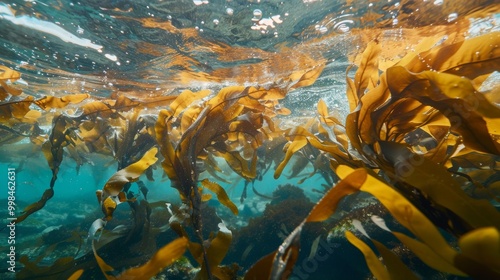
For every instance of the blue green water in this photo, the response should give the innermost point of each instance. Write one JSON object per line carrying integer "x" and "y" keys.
{"x": 154, "y": 49}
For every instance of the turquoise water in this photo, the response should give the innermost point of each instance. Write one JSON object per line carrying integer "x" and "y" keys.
{"x": 147, "y": 51}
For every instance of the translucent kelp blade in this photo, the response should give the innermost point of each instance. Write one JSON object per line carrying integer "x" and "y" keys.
{"x": 395, "y": 267}
{"x": 50, "y": 102}
{"x": 76, "y": 275}
{"x": 221, "y": 195}
{"x": 482, "y": 246}
{"x": 455, "y": 97}
{"x": 285, "y": 257}
{"x": 366, "y": 76}
{"x": 185, "y": 99}
{"x": 406, "y": 214}
{"x": 297, "y": 143}
{"x": 130, "y": 173}
{"x": 112, "y": 193}
{"x": 429, "y": 255}
{"x": 307, "y": 78}
{"x": 15, "y": 109}
{"x": 470, "y": 58}
{"x": 105, "y": 268}
{"x": 163, "y": 258}
{"x": 261, "y": 270}
{"x": 329, "y": 202}
{"x": 436, "y": 182}
{"x": 376, "y": 267}
{"x": 169, "y": 162}
{"x": 219, "y": 246}
{"x": 7, "y": 74}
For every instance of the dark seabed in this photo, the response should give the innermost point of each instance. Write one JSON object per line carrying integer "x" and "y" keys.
{"x": 250, "y": 139}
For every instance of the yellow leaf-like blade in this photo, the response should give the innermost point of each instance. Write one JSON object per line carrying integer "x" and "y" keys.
{"x": 185, "y": 99}
{"x": 76, "y": 275}
{"x": 105, "y": 268}
{"x": 328, "y": 204}
{"x": 395, "y": 267}
{"x": 454, "y": 97}
{"x": 298, "y": 143}
{"x": 435, "y": 181}
{"x": 130, "y": 173}
{"x": 483, "y": 246}
{"x": 308, "y": 78}
{"x": 429, "y": 255}
{"x": 49, "y": 102}
{"x": 164, "y": 257}
{"x": 221, "y": 195}
{"x": 374, "y": 264}
{"x": 406, "y": 214}
{"x": 366, "y": 76}
{"x": 167, "y": 149}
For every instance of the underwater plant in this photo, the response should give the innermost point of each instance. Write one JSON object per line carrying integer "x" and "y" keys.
{"x": 421, "y": 138}
{"x": 417, "y": 186}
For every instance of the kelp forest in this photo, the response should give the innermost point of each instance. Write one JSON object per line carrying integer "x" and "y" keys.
{"x": 405, "y": 178}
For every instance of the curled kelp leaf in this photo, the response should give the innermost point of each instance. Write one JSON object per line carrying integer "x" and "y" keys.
{"x": 221, "y": 195}
{"x": 436, "y": 183}
{"x": 226, "y": 125}
{"x": 112, "y": 193}
{"x": 7, "y": 74}
{"x": 456, "y": 98}
{"x": 163, "y": 258}
{"x": 374, "y": 264}
{"x": 15, "y": 108}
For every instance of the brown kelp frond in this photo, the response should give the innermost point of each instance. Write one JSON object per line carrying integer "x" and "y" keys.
{"x": 221, "y": 194}
{"x": 8, "y": 75}
{"x": 227, "y": 125}
{"x": 163, "y": 258}
{"x": 62, "y": 135}
{"x": 112, "y": 194}
{"x": 427, "y": 129}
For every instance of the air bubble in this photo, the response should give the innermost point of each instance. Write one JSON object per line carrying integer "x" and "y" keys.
{"x": 229, "y": 11}
{"x": 257, "y": 15}
{"x": 452, "y": 17}
{"x": 438, "y": 2}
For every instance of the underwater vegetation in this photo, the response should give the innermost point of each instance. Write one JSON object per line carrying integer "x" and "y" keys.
{"x": 417, "y": 157}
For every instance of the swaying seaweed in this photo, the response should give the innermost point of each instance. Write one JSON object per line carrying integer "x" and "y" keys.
{"x": 421, "y": 138}
{"x": 418, "y": 192}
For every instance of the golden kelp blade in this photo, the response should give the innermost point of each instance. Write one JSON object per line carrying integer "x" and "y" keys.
{"x": 76, "y": 275}
{"x": 395, "y": 267}
{"x": 5, "y": 75}
{"x": 374, "y": 264}
{"x": 130, "y": 173}
{"x": 297, "y": 143}
{"x": 481, "y": 247}
{"x": 410, "y": 217}
{"x": 455, "y": 97}
{"x": 281, "y": 262}
{"x": 163, "y": 258}
{"x": 49, "y": 102}
{"x": 329, "y": 202}
{"x": 112, "y": 192}
{"x": 221, "y": 195}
